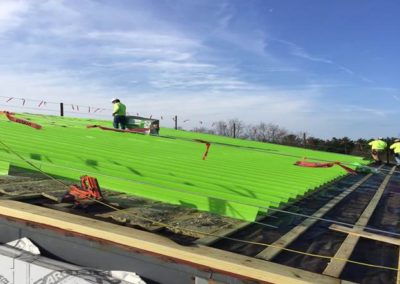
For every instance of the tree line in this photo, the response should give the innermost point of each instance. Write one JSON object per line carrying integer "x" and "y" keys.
{"x": 273, "y": 133}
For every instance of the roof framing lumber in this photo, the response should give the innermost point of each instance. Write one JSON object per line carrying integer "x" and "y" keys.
{"x": 200, "y": 256}
{"x": 335, "y": 266}
{"x": 398, "y": 271}
{"x": 364, "y": 234}
{"x": 28, "y": 182}
{"x": 293, "y": 234}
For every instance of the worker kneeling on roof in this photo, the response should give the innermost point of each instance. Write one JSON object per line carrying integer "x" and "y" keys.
{"x": 377, "y": 149}
{"x": 396, "y": 149}
{"x": 119, "y": 114}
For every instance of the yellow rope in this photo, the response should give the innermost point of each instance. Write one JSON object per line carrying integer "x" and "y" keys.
{"x": 267, "y": 245}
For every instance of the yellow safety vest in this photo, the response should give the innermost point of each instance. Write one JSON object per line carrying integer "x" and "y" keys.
{"x": 396, "y": 147}
{"x": 119, "y": 109}
{"x": 378, "y": 145}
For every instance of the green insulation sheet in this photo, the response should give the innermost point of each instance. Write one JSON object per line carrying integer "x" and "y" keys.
{"x": 238, "y": 179}
{"x": 4, "y": 168}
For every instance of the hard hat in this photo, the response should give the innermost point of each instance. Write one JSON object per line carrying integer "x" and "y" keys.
{"x": 114, "y": 99}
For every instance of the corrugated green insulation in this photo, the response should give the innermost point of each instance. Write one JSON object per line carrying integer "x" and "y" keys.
{"x": 4, "y": 168}
{"x": 238, "y": 178}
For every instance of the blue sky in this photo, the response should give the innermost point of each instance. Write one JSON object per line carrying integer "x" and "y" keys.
{"x": 329, "y": 68}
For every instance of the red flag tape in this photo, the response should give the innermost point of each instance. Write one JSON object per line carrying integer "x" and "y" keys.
{"x": 324, "y": 165}
{"x": 11, "y": 117}
{"x": 208, "y": 145}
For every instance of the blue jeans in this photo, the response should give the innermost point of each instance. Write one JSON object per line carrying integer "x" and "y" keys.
{"x": 119, "y": 119}
{"x": 397, "y": 158}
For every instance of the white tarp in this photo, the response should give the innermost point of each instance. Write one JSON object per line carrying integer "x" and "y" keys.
{"x": 26, "y": 245}
{"x": 21, "y": 263}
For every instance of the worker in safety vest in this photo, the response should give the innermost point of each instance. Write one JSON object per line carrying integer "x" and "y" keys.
{"x": 119, "y": 114}
{"x": 378, "y": 147}
{"x": 396, "y": 149}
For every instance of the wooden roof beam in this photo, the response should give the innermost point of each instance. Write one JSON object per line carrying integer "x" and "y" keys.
{"x": 220, "y": 261}
{"x": 336, "y": 266}
{"x": 293, "y": 234}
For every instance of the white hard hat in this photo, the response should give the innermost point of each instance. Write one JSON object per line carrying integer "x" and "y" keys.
{"x": 114, "y": 99}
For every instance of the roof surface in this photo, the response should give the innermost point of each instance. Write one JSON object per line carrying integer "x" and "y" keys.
{"x": 238, "y": 179}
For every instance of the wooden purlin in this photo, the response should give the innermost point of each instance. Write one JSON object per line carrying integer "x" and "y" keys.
{"x": 398, "y": 270}
{"x": 293, "y": 234}
{"x": 200, "y": 256}
{"x": 335, "y": 266}
{"x": 364, "y": 234}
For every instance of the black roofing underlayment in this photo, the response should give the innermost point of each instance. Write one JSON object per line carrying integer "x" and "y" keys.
{"x": 319, "y": 239}
{"x": 386, "y": 217}
{"x": 285, "y": 222}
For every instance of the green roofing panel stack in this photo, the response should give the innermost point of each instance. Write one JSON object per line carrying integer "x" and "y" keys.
{"x": 238, "y": 178}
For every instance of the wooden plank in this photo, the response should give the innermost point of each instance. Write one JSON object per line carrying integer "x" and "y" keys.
{"x": 51, "y": 197}
{"x": 129, "y": 216}
{"x": 199, "y": 256}
{"x": 364, "y": 234}
{"x": 64, "y": 207}
{"x": 4, "y": 192}
{"x": 21, "y": 197}
{"x": 28, "y": 182}
{"x": 293, "y": 234}
{"x": 335, "y": 266}
{"x": 398, "y": 269}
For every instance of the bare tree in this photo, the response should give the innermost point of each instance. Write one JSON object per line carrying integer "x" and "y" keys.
{"x": 235, "y": 127}
{"x": 203, "y": 129}
{"x": 221, "y": 128}
{"x": 266, "y": 132}
{"x": 291, "y": 140}
{"x": 276, "y": 133}
{"x": 250, "y": 132}
{"x": 261, "y": 132}
{"x": 269, "y": 132}
{"x": 303, "y": 138}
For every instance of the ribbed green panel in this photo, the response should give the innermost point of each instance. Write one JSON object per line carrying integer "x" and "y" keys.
{"x": 233, "y": 181}
{"x": 4, "y": 167}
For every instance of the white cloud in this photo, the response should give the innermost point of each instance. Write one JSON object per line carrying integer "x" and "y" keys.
{"x": 56, "y": 86}
{"x": 143, "y": 37}
{"x": 258, "y": 105}
{"x": 298, "y": 109}
{"x": 159, "y": 65}
{"x": 364, "y": 111}
{"x": 300, "y": 52}
{"x": 11, "y": 14}
{"x": 150, "y": 52}
{"x": 347, "y": 70}
{"x": 85, "y": 52}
